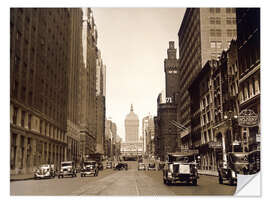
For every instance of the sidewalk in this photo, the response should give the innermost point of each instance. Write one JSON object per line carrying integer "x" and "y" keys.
{"x": 208, "y": 172}
{"x": 21, "y": 177}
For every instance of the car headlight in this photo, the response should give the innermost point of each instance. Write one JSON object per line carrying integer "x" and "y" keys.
{"x": 233, "y": 174}
{"x": 61, "y": 170}
{"x": 169, "y": 174}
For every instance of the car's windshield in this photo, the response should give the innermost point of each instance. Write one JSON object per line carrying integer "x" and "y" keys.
{"x": 184, "y": 159}
{"x": 66, "y": 164}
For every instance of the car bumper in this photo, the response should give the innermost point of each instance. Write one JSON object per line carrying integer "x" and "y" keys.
{"x": 182, "y": 178}
{"x": 88, "y": 172}
{"x": 66, "y": 173}
{"x": 42, "y": 176}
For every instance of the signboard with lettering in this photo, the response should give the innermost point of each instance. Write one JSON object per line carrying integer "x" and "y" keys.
{"x": 214, "y": 145}
{"x": 248, "y": 118}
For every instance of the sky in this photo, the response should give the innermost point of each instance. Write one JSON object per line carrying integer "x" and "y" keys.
{"x": 133, "y": 44}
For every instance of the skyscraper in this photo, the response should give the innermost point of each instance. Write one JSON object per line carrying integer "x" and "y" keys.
{"x": 132, "y": 126}
{"x": 203, "y": 34}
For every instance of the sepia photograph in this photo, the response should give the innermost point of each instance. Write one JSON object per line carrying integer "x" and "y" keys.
{"x": 133, "y": 101}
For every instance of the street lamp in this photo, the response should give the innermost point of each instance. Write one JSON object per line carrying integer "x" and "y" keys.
{"x": 229, "y": 119}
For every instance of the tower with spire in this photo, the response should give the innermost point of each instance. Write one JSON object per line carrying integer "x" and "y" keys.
{"x": 132, "y": 126}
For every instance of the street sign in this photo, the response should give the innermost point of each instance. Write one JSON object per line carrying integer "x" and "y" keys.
{"x": 214, "y": 145}
{"x": 248, "y": 118}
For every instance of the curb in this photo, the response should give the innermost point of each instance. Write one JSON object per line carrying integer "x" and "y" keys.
{"x": 21, "y": 179}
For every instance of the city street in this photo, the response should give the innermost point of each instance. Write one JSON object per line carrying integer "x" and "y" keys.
{"x": 110, "y": 182}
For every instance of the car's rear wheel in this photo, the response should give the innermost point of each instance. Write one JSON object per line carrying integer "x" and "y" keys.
{"x": 231, "y": 181}
{"x": 220, "y": 180}
{"x": 194, "y": 182}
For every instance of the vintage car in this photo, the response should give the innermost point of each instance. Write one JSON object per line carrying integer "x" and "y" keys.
{"x": 44, "y": 171}
{"x": 100, "y": 165}
{"x": 89, "y": 168}
{"x": 180, "y": 167}
{"x": 120, "y": 166}
{"x": 141, "y": 166}
{"x": 161, "y": 165}
{"x": 151, "y": 167}
{"x": 109, "y": 164}
{"x": 67, "y": 169}
{"x": 237, "y": 163}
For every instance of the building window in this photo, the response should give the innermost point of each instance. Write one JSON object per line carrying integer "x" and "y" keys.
{"x": 228, "y": 21}
{"x": 217, "y": 10}
{"x": 18, "y": 35}
{"x": 15, "y": 114}
{"x": 228, "y": 10}
{"x": 233, "y": 10}
{"x": 234, "y": 21}
{"x": 15, "y": 89}
{"x": 229, "y": 33}
{"x": 22, "y": 118}
{"x": 29, "y": 121}
{"x": 212, "y": 20}
{"x": 30, "y": 98}
{"x": 212, "y": 10}
{"x": 253, "y": 86}
{"x": 212, "y": 32}
{"x": 213, "y": 44}
{"x": 218, "y": 21}
{"x": 219, "y": 44}
{"x": 23, "y": 93}
{"x": 218, "y": 32}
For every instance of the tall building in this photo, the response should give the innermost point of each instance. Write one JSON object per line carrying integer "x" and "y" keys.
{"x": 100, "y": 106}
{"x": 248, "y": 43}
{"x": 76, "y": 63}
{"x": 203, "y": 34}
{"x": 132, "y": 126}
{"x": 165, "y": 139}
{"x": 171, "y": 72}
{"x": 39, "y": 63}
{"x": 88, "y": 118}
{"x": 148, "y": 132}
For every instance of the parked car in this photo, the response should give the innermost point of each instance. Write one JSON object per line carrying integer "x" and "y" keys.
{"x": 67, "y": 169}
{"x": 89, "y": 168}
{"x": 161, "y": 165}
{"x": 151, "y": 167}
{"x": 44, "y": 171}
{"x": 237, "y": 163}
{"x": 141, "y": 166}
{"x": 180, "y": 167}
{"x": 121, "y": 166}
{"x": 100, "y": 166}
{"x": 109, "y": 164}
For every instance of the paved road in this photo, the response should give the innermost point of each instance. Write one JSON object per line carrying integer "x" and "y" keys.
{"x": 110, "y": 182}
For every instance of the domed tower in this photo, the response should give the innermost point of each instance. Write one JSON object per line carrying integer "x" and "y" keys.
{"x": 132, "y": 126}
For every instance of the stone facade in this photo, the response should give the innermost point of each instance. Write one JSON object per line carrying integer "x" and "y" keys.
{"x": 39, "y": 45}
{"x": 203, "y": 34}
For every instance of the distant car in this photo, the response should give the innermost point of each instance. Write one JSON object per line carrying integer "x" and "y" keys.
{"x": 161, "y": 165}
{"x": 109, "y": 164}
{"x": 100, "y": 166}
{"x": 121, "y": 166}
{"x": 89, "y": 168}
{"x": 67, "y": 169}
{"x": 44, "y": 171}
{"x": 151, "y": 167}
{"x": 141, "y": 166}
{"x": 180, "y": 167}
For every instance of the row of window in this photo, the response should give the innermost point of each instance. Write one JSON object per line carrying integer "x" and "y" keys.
{"x": 218, "y": 10}
{"x": 218, "y": 32}
{"x": 249, "y": 89}
{"x": 217, "y": 20}
{"x": 44, "y": 128}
